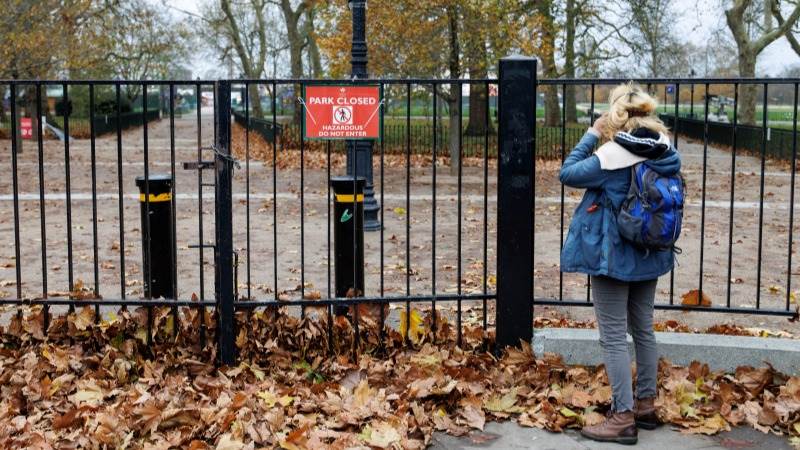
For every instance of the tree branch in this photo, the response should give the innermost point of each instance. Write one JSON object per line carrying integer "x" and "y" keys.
{"x": 768, "y": 38}
{"x": 235, "y": 36}
{"x": 776, "y": 11}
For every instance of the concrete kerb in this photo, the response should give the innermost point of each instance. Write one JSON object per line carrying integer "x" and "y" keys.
{"x": 720, "y": 352}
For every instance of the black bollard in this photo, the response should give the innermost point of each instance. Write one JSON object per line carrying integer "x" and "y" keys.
{"x": 348, "y": 237}
{"x": 158, "y": 249}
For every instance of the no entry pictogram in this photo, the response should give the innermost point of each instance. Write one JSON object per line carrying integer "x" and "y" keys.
{"x": 342, "y": 112}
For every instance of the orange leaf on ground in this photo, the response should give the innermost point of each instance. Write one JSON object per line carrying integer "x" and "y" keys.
{"x": 692, "y": 298}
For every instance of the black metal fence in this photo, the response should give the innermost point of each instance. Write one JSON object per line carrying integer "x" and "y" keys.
{"x": 108, "y": 123}
{"x": 448, "y": 229}
{"x": 81, "y": 128}
{"x": 749, "y": 138}
{"x": 548, "y": 138}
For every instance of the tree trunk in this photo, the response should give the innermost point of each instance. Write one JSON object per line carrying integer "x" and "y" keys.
{"x": 655, "y": 54}
{"x": 454, "y": 130}
{"x": 455, "y": 89}
{"x": 476, "y": 125}
{"x": 296, "y": 64}
{"x": 252, "y": 64}
{"x": 255, "y": 101}
{"x": 314, "y": 57}
{"x": 478, "y": 95}
{"x": 478, "y": 108}
{"x": 748, "y": 92}
{"x": 30, "y": 111}
{"x": 17, "y": 124}
{"x": 476, "y": 56}
{"x": 2, "y": 104}
{"x": 296, "y": 40}
{"x": 551, "y": 108}
{"x": 569, "y": 99}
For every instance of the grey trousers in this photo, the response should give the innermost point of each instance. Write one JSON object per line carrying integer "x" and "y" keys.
{"x": 626, "y": 307}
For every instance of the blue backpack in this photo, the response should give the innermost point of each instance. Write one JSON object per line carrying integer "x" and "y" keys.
{"x": 650, "y": 216}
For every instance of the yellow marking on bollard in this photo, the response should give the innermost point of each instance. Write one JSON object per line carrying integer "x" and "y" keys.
{"x": 348, "y": 198}
{"x": 154, "y": 198}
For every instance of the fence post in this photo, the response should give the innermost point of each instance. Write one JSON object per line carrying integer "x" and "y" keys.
{"x": 223, "y": 250}
{"x": 515, "y": 199}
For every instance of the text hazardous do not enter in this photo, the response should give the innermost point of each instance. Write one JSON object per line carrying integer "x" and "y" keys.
{"x": 342, "y": 112}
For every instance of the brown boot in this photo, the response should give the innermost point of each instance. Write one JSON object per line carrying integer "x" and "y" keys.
{"x": 618, "y": 427}
{"x": 644, "y": 411}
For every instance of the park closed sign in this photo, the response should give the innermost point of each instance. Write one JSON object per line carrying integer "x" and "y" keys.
{"x": 342, "y": 112}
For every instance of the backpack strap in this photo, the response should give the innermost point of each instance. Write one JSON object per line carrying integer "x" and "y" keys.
{"x": 636, "y": 190}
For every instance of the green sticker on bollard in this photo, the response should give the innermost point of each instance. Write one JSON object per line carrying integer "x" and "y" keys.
{"x": 346, "y": 215}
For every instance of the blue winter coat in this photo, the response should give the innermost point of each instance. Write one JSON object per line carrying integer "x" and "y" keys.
{"x": 593, "y": 245}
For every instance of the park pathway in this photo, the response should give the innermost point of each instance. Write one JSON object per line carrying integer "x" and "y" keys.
{"x": 508, "y": 435}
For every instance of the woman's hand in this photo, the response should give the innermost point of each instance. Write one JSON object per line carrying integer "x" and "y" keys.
{"x": 600, "y": 124}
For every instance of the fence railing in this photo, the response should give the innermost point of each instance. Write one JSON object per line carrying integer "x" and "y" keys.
{"x": 81, "y": 128}
{"x": 548, "y": 139}
{"x": 749, "y": 138}
{"x": 448, "y": 230}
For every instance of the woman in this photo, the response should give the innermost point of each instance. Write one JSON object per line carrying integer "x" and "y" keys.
{"x": 623, "y": 276}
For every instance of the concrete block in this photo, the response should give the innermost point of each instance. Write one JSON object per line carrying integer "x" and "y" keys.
{"x": 720, "y": 352}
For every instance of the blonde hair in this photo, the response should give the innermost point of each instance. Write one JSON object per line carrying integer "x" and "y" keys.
{"x": 631, "y": 107}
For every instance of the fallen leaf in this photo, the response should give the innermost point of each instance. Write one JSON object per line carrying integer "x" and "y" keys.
{"x": 312, "y": 295}
{"x": 505, "y": 403}
{"x": 692, "y": 298}
{"x": 91, "y": 395}
{"x": 473, "y": 417}
{"x": 227, "y": 442}
{"x": 580, "y": 399}
{"x": 380, "y": 434}
{"x": 709, "y": 425}
{"x": 566, "y": 412}
{"x": 65, "y": 420}
{"x": 412, "y": 329}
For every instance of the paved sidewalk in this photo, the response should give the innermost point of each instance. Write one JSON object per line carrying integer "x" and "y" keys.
{"x": 508, "y": 435}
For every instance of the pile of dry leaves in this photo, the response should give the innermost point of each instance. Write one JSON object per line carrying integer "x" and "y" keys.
{"x": 97, "y": 383}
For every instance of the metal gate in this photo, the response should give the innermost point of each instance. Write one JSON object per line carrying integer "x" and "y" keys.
{"x": 471, "y": 224}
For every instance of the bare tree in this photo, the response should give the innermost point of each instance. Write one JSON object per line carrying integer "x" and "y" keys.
{"x": 143, "y": 43}
{"x": 649, "y": 32}
{"x": 245, "y": 30}
{"x": 243, "y": 33}
{"x": 587, "y": 31}
{"x": 296, "y": 37}
{"x": 751, "y": 39}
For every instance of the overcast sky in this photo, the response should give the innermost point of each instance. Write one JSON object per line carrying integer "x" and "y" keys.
{"x": 699, "y": 18}
{"x": 697, "y": 21}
